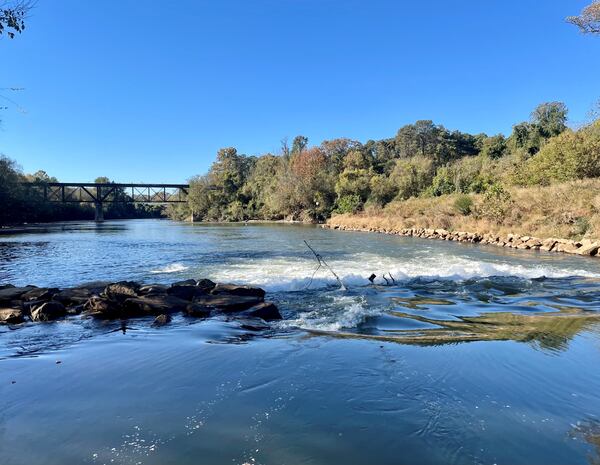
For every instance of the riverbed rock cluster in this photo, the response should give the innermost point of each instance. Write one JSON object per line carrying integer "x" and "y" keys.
{"x": 585, "y": 247}
{"x": 127, "y": 299}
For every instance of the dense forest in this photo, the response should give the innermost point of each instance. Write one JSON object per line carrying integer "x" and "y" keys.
{"x": 310, "y": 183}
{"x": 424, "y": 159}
{"x": 21, "y": 204}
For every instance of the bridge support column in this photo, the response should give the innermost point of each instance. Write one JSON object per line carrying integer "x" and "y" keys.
{"x": 99, "y": 216}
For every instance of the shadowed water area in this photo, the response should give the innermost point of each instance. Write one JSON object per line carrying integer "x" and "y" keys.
{"x": 469, "y": 355}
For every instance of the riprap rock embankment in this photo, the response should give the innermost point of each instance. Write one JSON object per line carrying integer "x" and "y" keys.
{"x": 585, "y": 247}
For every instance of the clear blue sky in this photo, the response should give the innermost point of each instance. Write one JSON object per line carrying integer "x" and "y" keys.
{"x": 149, "y": 90}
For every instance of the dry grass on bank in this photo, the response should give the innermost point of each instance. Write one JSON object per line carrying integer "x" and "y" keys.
{"x": 570, "y": 210}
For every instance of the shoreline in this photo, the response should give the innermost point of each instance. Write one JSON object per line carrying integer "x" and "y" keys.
{"x": 583, "y": 247}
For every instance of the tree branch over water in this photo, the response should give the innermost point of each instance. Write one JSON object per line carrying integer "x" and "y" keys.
{"x": 12, "y": 16}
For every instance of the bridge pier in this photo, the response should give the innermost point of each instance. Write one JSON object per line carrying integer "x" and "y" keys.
{"x": 99, "y": 216}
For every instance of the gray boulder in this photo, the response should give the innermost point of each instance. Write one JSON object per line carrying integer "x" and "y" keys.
{"x": 152, "y": 289}
{"x": 75, "y": 296}
{"x": 13, "y": 293}
{"x": 186, "y": 292}
{"x": 100, "y": 307}
{"x": 206, "y": 284}
{"x": 40, "y": 293}
{"x": 121, "y": 290}
{"x": 268, "y": 311}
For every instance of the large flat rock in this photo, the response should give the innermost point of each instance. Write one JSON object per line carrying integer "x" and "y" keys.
{"x": 228, "y": 302}
{"x": 234, "y": 289}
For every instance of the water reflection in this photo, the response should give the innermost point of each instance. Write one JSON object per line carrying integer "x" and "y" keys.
{"x": 547, "y": 331}
{"x": 589, "y": 431}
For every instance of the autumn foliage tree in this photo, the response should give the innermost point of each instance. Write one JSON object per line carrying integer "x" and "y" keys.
{"x": 588, "y": 21}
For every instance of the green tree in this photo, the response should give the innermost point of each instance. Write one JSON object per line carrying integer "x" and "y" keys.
{"x": 261, "y": 185}
{"x": 550, "y": 119}
{"x": 11, "y": 193}
{"x": 571, "y": 155}
{"x": 412, "y": 176}
{"x": 494, "y": 147}
{"x": 382, "y": 190}
{"x": 299, "y": 144}
{"x": 354, "y": 180}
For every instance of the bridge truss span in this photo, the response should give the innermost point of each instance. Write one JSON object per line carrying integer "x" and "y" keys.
{"x": 100, "y": 193}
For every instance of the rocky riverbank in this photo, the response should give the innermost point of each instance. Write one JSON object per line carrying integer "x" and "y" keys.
{"x": 586, "y": 247}
{"x": 126, "y": 299}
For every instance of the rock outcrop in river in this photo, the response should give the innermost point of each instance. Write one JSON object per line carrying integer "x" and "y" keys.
{"x": 128, "y": 299}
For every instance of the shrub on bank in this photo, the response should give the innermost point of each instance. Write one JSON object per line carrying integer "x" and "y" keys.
{"x": 464, "y": 204}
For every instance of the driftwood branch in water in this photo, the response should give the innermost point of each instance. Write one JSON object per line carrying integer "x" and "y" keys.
{"x": 321, "y": 262}
{"x": 387, "y": 281}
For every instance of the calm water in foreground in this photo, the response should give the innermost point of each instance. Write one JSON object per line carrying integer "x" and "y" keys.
{"x": 475, "y": 355}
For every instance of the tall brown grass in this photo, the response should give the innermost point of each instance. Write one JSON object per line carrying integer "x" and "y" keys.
{"x": 568, "y": 210}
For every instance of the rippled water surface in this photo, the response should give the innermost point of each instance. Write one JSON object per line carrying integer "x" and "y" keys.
{"x": 463, "y": 354}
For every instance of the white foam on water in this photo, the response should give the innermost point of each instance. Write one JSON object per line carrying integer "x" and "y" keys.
{"x": 285, "y": 274}
{"x": 172, "y": 268}
{"x": 344, "y": 312}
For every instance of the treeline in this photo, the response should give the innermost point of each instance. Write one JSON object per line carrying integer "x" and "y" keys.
{"x": 19, "y": 204}
{"x": 424, "y": 159}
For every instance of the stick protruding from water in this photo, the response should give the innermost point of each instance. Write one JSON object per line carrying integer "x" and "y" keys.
{"x": 321, "y": 262}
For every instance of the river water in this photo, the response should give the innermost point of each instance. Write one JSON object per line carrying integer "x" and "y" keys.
{"x": 469, "y": 355}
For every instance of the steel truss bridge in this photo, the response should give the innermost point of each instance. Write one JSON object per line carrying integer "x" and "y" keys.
{"x": 100, "y": 193}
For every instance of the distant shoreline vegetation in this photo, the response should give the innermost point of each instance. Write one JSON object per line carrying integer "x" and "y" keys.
{"x": 342, "y": 176}
{"x": 18, "y": 205}
{"x": 423, "y": 161}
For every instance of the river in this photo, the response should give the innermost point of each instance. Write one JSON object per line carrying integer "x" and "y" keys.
{"x": 468, "y": 354}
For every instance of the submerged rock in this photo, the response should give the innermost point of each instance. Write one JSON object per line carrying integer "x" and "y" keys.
{"x": 102, "y": 308}
{"x": 197, "y": 310}
{"x": 162, "y": 320}
{"x": 48, "y": 311}
{"x": 11, "y": 315}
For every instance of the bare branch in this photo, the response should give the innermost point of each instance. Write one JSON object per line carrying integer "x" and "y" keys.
{"x": 321, "y": 262}
{"x": 12, "y": 16}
